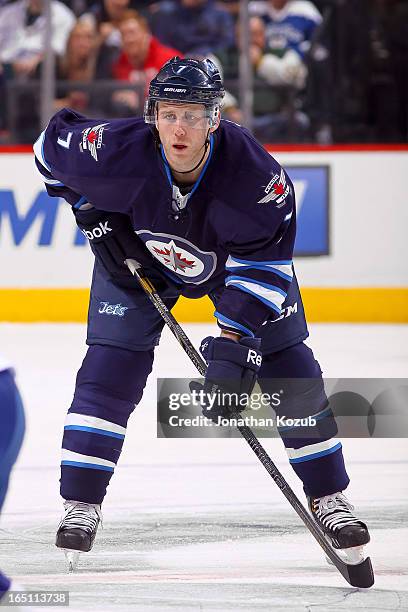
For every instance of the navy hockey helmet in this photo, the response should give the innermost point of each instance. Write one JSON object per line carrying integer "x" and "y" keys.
{"x": 186, "y": 80}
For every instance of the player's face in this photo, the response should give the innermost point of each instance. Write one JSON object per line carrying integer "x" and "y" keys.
{"x": 182, "y": 129}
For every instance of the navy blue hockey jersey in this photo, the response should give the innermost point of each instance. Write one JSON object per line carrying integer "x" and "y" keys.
{"x": 235, "y": 229}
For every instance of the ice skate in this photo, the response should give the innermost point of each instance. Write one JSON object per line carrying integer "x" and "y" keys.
{"x": 77, "y": 530}
{"x": 345, "y": 532}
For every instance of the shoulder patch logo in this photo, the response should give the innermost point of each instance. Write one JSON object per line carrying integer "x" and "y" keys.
{"x": 92, "y": 139}
{"x": 276, "y": 190}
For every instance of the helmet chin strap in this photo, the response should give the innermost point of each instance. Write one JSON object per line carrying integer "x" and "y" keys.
{"x": 205, "y": 146}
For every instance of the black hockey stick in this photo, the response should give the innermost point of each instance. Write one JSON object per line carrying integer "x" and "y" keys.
{"x": 358, "y": 575}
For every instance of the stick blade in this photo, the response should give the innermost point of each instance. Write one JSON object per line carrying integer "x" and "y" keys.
{"x": 360, "y": 575}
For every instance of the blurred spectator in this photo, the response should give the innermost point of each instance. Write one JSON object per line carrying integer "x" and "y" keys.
{"x": 22, "y": 26}
{"x": 78, "y": 64}
{"x": 232, "y": 6}
{"x": 286, "y": 70}
{"x": 4, "y": 135}
{"x": 275, "y": 117}
{"x": 106, "y": 16}
{"x": 193, "y": 26}
{"x": 141, "y": 58}
{"x": 290, "y": 25}
{"x": 297, "y": 57}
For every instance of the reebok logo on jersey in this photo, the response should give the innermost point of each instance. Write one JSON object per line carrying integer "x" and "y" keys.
{"x": 254, "y": 357}
{"x": 112, "y": 309}
{"x": 276, "y": 190}
{"x": 92, "y": 139}
{"x": 97, "y": 232}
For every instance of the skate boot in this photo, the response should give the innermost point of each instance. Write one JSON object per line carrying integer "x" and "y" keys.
{"x": 77, "y": 530}
{"x": 345, "y": 532}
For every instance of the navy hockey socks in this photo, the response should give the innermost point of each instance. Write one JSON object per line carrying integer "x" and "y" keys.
{"x": 109, "y": 384}
{"x": 317, "y": 459}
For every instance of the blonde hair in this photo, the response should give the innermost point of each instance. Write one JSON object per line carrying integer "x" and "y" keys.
{"x": 87, "y": 69}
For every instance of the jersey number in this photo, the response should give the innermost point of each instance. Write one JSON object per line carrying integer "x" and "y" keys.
{"x": 65, "y": 143}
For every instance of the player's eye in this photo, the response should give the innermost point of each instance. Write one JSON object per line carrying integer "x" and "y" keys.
{"x": 169, "y": 116}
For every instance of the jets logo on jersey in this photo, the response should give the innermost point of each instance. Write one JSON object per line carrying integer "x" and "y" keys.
{"x": 180, "y": 256}
{"x": 92, "y": 139}
{"x": 173, "y": 259}
{"x": 276, "y": 190}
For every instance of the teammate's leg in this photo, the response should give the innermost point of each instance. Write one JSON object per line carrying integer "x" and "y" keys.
{"x": 11, "y": 437}
{"x": 314, "y": 453}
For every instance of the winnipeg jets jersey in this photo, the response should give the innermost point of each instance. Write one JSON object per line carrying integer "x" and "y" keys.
{"x": 235, "y": 229}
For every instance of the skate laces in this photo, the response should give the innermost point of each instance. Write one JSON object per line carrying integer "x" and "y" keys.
{"x": 334, "y": 511}
{"x": 79, "y": 515}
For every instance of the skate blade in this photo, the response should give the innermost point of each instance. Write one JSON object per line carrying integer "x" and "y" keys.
{"x": 351, "y": 556}
{"x": 72, "y": 557}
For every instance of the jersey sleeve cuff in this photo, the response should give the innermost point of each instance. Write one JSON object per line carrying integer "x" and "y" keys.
{"x": 232, "y": 326}
{"x": 242, "y": 312}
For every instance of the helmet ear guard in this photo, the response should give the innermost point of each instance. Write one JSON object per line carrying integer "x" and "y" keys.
{"x": 150, "y": 112}
{"x": 214, "y": 116}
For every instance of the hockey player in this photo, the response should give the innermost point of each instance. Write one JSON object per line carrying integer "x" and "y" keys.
{"x": 11, "y": 437}
{"x": 206, "y": 211}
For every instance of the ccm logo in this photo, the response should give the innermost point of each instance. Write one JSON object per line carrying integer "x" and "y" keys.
{"x": 98, "y": 231}
{"x": 254, "y": 357}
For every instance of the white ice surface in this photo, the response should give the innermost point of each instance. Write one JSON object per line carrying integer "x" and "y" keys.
{"x": 198, "y": 524}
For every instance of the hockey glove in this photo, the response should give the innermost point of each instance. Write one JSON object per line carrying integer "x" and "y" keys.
{"x": 112, "y": 240}
{"x": 231, "y": 373}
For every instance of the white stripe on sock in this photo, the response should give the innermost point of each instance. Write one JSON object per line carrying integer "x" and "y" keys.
{"x": 68, "y": 455}
{"x": 311, "y": 449}
{"x": 85, "y": 420}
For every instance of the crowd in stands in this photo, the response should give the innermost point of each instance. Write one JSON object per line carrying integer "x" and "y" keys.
{"x": 323, "y": 71}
